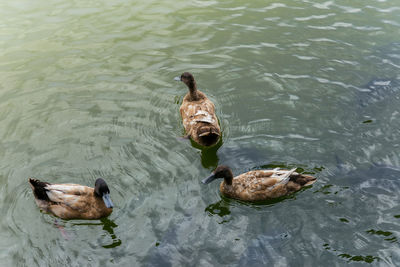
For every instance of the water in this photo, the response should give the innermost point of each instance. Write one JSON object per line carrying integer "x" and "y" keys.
{"x": 87, "y": 91}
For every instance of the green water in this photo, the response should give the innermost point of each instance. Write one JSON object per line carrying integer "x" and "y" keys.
{"x": 87, "y": 91}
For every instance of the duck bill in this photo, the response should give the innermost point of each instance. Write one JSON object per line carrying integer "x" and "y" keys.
{"x": 177, "y": 78}
{"x": 107, "y": 201}
{"x": 209, "y": 179}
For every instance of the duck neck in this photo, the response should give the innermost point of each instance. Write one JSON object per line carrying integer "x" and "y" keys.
{"x": 193, "y": 91}
{"x": 228, "y": 180}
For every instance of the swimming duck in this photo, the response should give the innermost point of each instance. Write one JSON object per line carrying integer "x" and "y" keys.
{"x": 198, "y": 114}
{"x": 73, "y": 201}
{"x": 259, "y": 184}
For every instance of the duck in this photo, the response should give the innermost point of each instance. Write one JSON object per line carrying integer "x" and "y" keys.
{"x": 198, "y": 114}
{"x": 73, "y": 201}
{"x": 258, "y": 185}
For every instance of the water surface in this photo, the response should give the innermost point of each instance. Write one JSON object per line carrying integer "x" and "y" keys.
{"x": 87, "y": 91}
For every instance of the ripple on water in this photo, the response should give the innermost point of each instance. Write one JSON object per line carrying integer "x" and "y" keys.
{"x": 79, "y": 101}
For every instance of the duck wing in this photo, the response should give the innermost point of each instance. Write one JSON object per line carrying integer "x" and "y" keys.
{"x": 282, "y": 176}
{"x": 200, "y": 121}
{"x": 265, "y": 184}
{"x": 69, "y": 194}
{"x": 262, "y": 180}
{"x": 68, "y": 201}
{"x": 199, "y": 111}
{"x": 72, "y": 201}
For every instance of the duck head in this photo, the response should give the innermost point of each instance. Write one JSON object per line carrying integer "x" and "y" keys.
{"x": 101, "y": 190}
{"x": 221, "y": 171}
{"x": 188, "y": 79}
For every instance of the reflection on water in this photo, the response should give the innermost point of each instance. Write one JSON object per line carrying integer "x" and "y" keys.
{"x": 86, "y": 91}
{"x": 62, "y": 230}
{"x": 351, "y": 258}
{"x": 378, "y": 90}
{"x": 386, "y": 234}
{"x": 108, "y": 225}
{"x": 330, "y": 189}
{"x": 209, "y": 157}
{"x": 265, "y": 249}
{"x": 367, "y": 259}
{"x": 220, "y": 208}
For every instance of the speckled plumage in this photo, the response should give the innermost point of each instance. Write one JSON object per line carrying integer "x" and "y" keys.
{"x": 69, "y": 201}
{"x": 198, "y": 115}
{"x": 260, "y": 184}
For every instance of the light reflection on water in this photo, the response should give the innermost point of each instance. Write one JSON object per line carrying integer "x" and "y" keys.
{"x": 87, "y": 91}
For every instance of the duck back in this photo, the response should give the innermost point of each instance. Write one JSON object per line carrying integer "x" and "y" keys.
{"x": 264, "y": 185}
{"x": 68, "y": 201}
{"x": 199, "y": 119}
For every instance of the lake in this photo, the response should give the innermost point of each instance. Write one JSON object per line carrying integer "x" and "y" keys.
{"x": 87, "y": 91}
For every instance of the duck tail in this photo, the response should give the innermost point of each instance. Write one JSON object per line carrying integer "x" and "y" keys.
{"x": 286, "y": 176}
{"x": 39, "y": 189}
{"x": 303, "y": 180}
{"x": 208, "y": 135}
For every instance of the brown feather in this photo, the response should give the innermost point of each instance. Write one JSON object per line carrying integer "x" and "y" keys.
{"x": 70, "y": 201}
{"x": 199, "y": 119}
{"x": 259, "y": 185}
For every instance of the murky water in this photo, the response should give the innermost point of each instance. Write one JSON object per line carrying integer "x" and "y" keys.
{"x": 87, "y": 91}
